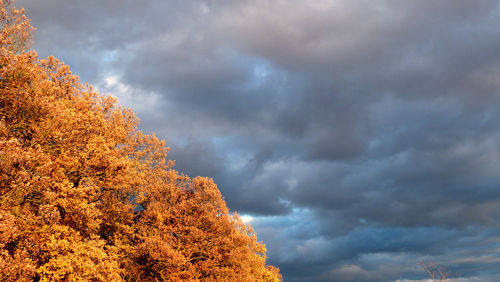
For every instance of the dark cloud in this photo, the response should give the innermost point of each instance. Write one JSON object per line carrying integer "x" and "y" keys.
{"x": 362, "y": 136}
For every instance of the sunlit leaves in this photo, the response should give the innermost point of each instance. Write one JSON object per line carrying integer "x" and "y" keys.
{"x": 86, "y": 196}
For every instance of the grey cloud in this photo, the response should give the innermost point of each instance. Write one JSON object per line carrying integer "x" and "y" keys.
{"x": 197, "y": 158}
{"x": 376, "y": 254}
{"x": 366, "y": 132}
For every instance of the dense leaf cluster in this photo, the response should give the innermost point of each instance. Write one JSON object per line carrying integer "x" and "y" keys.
{"x": 86, "y": 196}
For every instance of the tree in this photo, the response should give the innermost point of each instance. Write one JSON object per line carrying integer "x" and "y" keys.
{"x": 84, "y": 195}
{"x": 438, "y": 273}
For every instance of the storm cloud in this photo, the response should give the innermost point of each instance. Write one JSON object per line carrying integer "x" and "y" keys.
{"x": 358, "y": 137}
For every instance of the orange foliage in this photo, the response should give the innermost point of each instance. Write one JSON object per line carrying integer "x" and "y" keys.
{"x": 84, "y": 195}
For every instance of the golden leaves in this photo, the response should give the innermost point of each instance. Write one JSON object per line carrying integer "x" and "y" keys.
{"x": 86, "y": 196}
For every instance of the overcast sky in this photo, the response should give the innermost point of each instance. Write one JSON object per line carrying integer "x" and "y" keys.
{"x": 359, "y": 138}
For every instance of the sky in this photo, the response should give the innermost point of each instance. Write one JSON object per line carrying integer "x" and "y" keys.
{"x": 359, "y": 138}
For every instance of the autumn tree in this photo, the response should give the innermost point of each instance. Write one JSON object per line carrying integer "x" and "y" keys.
{"x": 84, "y": 195}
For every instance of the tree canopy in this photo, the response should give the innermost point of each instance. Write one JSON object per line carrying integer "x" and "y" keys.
{"x": 85, "y": 195}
